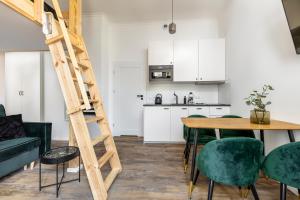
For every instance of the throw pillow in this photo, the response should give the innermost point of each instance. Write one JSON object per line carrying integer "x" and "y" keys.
{"x": 11, "y": 127}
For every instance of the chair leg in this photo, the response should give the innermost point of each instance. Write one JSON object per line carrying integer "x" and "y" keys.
{"x": 282, "y": 191}
{"x": 210, "y": 189}
{"x": 299, "y": 193}
{"x": 187, "y": 157}
{"x": 196, "y": 176}
{"x": 254, "y": 192}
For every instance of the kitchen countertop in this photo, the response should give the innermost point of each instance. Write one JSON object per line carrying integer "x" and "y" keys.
{"x": 206, "y": 104}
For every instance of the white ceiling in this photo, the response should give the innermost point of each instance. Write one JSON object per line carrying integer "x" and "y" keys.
{"x": 154, "y": 10}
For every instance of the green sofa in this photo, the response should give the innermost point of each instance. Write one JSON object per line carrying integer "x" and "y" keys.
{"x": 15, "y": 153}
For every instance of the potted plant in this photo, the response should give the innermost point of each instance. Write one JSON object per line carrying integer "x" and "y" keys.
{"x": 259, "y": 115}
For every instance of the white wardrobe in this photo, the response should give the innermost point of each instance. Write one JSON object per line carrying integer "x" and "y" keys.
{"x": 24, "y": 85}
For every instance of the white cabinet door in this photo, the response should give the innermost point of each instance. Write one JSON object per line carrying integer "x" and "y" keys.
{"x": 23, "y": 84}
{"x": 157, "y": 124}
{"x": 185, "y": 61}
{"x": 176, "y": 124}
{"x": 160, "y": 53}
{"x": 212, "y": 60}
{"x": 193, "y": 110}
{"x": 219, "y": 111}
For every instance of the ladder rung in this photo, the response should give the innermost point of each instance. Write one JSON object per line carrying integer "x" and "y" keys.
{"x": 83, "y": 66}
{"x": 54, "y": 39}
{"x": 78, "y": 48}
{"x": 93, "y": 119}
{"x": 74, "y": 110}
{"x": 85, "y": 82}
{"x": 91, "y": 100}
{"x": 99, "y": 139}
{"x": 105, "y": 158}
{"x": 111, "y": 177}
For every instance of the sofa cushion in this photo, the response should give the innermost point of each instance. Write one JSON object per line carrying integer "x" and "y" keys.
{"x": 2, "y": 111}
{"x": 11, "y": 148}
{"x": 11, "y": 127}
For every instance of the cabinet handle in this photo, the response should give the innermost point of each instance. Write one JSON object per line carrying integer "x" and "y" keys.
{"x": 184, "y": 108}
{"x": 219, "y": 108}
{"x": 199, "y": 108}
{"x": 166, "y": 108}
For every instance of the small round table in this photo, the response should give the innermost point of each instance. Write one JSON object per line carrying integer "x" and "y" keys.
{"x": 58, "y": 156}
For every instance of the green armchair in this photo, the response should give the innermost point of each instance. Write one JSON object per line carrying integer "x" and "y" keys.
{"x": 235, "y": 133}
{"x": 231, "y": 161}
{"x": 283, "y": 165}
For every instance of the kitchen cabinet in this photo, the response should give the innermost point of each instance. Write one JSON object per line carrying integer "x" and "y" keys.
{"x": 185, "y": 61}
{"x": 160, "y": 53}
{"x": 157, "y": 124}
{"x": 23, "y": 78}
{"x": 163, "y": 124}
{"x": 199, "y": 111}
{"x": 218, "y": 111}
{"x": 212, "y": 60}
{"x": 176, "y": 125}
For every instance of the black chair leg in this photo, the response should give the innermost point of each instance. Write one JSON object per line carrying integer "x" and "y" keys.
{"x": 254, "y": 192}
{"x": 196, "y": 177}
{"x": 282, "y": 191}
{"x": 187, "y": 157}
{"x": 210, "y": 189}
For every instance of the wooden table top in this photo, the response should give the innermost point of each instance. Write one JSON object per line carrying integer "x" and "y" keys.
{"x": 237, "y": 124}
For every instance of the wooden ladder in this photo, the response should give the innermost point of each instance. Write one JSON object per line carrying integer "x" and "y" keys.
{"x": 77, "y": 79}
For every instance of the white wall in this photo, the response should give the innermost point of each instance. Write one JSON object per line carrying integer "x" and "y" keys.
{"x": 259, "y": 51}
{"x": 2, "y": 80}
{"x": 129, "y": 44}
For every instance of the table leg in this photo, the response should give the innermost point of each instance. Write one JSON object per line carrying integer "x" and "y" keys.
{"x": 193, "y": 162}
{"x": 262, "y": 138}
{"x": 56, "y": 180}
{"x": 40, "y": 176}
{"x": 79, "y": 168}
{"x": 291, "y": 136}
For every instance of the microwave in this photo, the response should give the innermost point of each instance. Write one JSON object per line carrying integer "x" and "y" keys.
{"x": 161, "y": 73}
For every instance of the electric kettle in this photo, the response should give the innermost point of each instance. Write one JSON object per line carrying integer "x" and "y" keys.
{"x": 158, "y": 99}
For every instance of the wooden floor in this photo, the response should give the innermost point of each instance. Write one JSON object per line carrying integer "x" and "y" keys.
{"x": 152, "y": 171}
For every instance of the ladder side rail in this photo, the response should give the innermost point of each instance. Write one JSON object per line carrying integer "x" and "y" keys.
{"x": 77, "y": 119}
{"x": 99, "y": 110}
{"x": 71, "y": 54}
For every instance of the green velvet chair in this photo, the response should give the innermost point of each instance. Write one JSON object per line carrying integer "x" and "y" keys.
{"x": 235, "y": 133}
{"x": 231, "y": 161}
{"x": 204, "y": 136}
{"x": 2, "y": 111}
{"x": 283, "y": 165}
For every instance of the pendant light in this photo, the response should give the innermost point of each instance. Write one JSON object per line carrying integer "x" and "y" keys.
{"x": 172, "y": 26}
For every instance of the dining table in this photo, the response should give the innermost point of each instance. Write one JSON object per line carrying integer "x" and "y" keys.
{"x": 235, "y": 124}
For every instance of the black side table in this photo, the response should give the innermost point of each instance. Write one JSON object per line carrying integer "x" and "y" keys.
{"x": 58, "y": 156}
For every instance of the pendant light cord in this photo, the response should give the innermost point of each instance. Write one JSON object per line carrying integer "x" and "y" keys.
{"x": 172, "y": 11}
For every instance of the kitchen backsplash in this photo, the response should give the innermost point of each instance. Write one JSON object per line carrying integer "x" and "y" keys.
{"x": 203, "y": 93}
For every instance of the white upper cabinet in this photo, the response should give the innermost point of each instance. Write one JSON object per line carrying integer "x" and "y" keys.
{"x": 160, "y": 53}
{"x": 212, "y": 60}
{"x": 185, "y": 61}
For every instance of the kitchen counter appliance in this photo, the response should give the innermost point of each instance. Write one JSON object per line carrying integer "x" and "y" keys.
{"x": 158, "y": 99}
{"x": 161, "y": 73}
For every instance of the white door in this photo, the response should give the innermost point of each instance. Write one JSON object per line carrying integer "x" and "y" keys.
{"x": 157, "y": 124}
{"x": 185, "y": 60}
{"x": 212, "y": 60}
{"x": 160, "y": 53}
{"x": 23, "y": 84}
{"x": 176, "y": 124}
{"x": 129, "y": 94}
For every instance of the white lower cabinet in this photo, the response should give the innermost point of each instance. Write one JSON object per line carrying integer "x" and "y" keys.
{"x": 163, "y": 124}
{"x": 176, "y": 125}
{"x": 199, "y": 111}
{"x": 157, "y": 124}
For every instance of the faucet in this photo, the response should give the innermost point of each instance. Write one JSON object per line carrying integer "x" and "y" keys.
{"x": 176, "y": 96}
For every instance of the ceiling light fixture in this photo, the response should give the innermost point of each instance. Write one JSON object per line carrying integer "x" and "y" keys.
{"x": 172, "y": 26}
